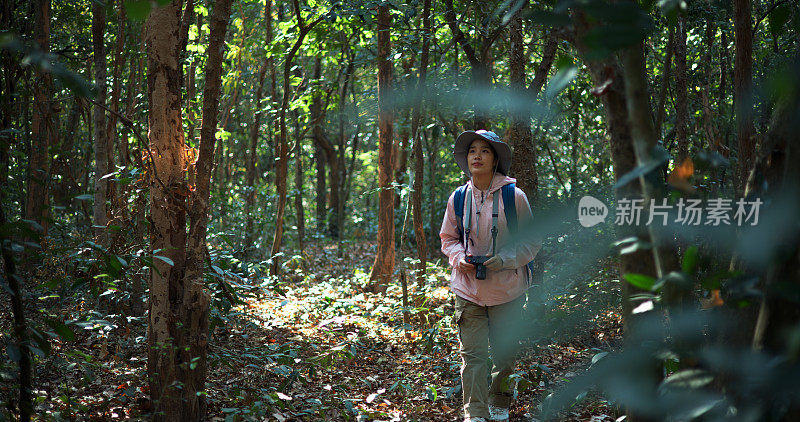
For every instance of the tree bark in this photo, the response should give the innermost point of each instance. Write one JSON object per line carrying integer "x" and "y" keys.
{"x": 43, "y": 127}
{"x": 331, "y": 158}
{"x": 298, "y": 185}
{"x": 523, "y": 162}
{"x": 321, "y": 185}
{"x": 250, "y": 198}
{"x": 178, "y": 320}
{"x": 419, "y": 170}
{"x": 666, "y": 76}
{"x": 743, "y": 82}
{"x": 608, "y": 73}
{"x": 101, "y": 153}
{"x": 20, "y": 325}
{"x": 383, "y": 267}
{"x": 168, "y": 193}
{"x": 111, "y": 129}
{"x": 283, "y": 153}
{"x": 196, "y": 298}
{"x": 681, "y": 106}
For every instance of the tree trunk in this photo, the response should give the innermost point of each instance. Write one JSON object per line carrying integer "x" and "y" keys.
{"x": 400, "y": 154}
{"x": 321, "y": 199}
{"x": 250, "y": 198}
{"x": 331, "y": 158}
{"x": 111, "y": 129}
{"x": 101, "y": 152}
{"x": 196, "y": 298}
{"x": 681, "y": 106}
{"x": 608, "y": 72}
{"x": 20, "y": 325}
{"x": 666, "y": 76}
{"x": 523, "y": 162}
{"x": 743, "y": 81}
{"x": 298, "y": 186}
{"x": 178, "y": 320}
{"x": 709, "y": 130}
{"x": 168, "y": 200}
{"x": 283, "y": 153}
{"x": 383, "y": 267}
{"x": 43, "y": 128}
{"x": 419, "y": 170}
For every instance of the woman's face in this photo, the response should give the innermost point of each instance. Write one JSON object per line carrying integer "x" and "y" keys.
{"x": 481, "y": 158}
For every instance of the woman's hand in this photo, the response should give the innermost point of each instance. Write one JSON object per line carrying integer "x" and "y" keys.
{"x": 464, "y": 266}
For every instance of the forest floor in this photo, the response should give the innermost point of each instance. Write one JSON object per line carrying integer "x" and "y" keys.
{"x": 315, "y": 347}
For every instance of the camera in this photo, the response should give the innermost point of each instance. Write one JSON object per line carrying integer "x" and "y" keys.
{"x": 477, "y": 261}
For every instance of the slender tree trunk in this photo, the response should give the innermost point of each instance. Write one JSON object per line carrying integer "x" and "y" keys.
{"x": 195, "y": 312}
{"x": 419, "y": 170}
{"x": 434, "y": 211}
{"x": 298, "y": 186}
{"x": 43, "y": 128}
{"x": 710, "y": 131}
{"x": 321, "y": 199}
{"x": 111, "y": 129}
{"x": 383, "y": 266}
{"x": 608, "y": 73}
{"x": 283, "y": 153}
{"x": 523, "y": 162}
{"x": 191, "y": 88}
{"x": 20, "y": 328}
{"x": 331, "y": 158}
{"x": 101, "y": 152}
{"x": 400, "y": 154}
{"x": 345, "y": 171}
{"x": 252, "y": 156}
{"x": 681, "y": 106}
{"x": 666, "y": 76}
{"x": 743, "y": 81}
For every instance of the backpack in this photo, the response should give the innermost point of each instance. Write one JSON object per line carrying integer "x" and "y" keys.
{"x": 509, "y": 209}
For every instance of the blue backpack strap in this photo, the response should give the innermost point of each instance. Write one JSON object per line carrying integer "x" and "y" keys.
{"x": 510, "y": 207}
{"x": 458, "y": 206}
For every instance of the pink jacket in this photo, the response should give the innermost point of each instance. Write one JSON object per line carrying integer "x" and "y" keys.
{"x": 501, "y": 286}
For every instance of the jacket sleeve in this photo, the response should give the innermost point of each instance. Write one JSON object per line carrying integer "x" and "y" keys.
{"x": 525, "y": 247}
{"x": 451, "y": 241}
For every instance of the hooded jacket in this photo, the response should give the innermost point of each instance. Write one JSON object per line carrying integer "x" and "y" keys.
{"x": 499, "y": 286}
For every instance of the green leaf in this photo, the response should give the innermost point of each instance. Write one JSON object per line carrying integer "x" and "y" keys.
{"x": 61, "y": 329}
{"x": 689, "y": 264}
{"x": 165, "y": 259}
{"x": 560, "y": 81}
{"x": 690, "y": 378}
{"x": 642, "y": 281}
{"x": 658, "y": 157}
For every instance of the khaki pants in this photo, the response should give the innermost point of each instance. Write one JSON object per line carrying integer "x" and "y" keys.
{"x": 479, "y": 327}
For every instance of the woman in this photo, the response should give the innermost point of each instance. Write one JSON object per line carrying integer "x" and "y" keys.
{"x": 488, "y": 308}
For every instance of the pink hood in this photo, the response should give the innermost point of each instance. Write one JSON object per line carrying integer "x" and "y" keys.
{"x": 500, "y": 286}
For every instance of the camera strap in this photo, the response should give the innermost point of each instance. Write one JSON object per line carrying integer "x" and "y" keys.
{"x": 468, "y": 218}
{"x": 495, "y": 207}
{"x": 467, "y": 224}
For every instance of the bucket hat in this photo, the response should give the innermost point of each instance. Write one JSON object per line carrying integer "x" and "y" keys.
{"x": 461, "y": 148}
